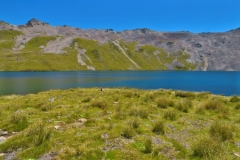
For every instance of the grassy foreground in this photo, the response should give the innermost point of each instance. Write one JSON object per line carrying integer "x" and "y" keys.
{"x": 120, "y": 123}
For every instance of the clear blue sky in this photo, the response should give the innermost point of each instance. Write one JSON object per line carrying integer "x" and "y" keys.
{"x": 161, "y": 15}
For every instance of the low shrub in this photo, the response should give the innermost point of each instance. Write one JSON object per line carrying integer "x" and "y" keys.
{"x": 159, "y": 127}
{"x": 222, "y": 132}
{"x": 170, "y": 115}
{"x": 234, "y": 99}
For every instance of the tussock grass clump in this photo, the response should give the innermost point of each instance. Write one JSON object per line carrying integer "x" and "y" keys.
{"x": 128, "y": 132}
{"x": 19, "y": 120}
{"x": 234, "y": 99}
{"x": 200, "y": 110}
{"x": 46, "y": 107}
{"x": 203, "y": 94}
{"x": 208, "y": 148}
{"x": 100, "y": 103}
{"x": 38, "y": 132}
{"x": 119, "y": 113}
{"x": 18, "y": 117}
{"x": 33, "y": 140}
{"x": 170, "y": 115}
{"x": 237, "y": 107}
{"x": 148, "y": 146}
{"x": 159, "y": 127}
{"x": 184, "y": 94}
{"x": 86, "y": 99}
{"x": 212, "y": 105}
{"x": 134, "y": 123}
{"x": 150, "y": 96}
{"x": 128, "y": 94}
{"x": 163, "y": 102}
{"x": 139, "y": 112}
{"x": 222, "y": 132}
{"x": 179, "y": 147}
{"x": 184, "y": 106}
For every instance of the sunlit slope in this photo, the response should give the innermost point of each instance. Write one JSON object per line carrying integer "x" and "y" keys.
{"x": 85, "y": 54}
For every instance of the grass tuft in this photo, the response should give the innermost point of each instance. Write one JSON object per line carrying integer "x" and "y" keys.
{"x": 100, "y": 103}
{"x": 184, "y": 94}
{"x": 234, "y": 99}
{"x": 170, "y": 115}
{"x": 208, "y": 148}
{"x": 128, "y": 132}
{"x": 237, "y": 107}
{"x": 159, "y": 127}
{"x": 222, "y": 132}
{"x": 148, "y": 146}
{"x": 164, "y": 102}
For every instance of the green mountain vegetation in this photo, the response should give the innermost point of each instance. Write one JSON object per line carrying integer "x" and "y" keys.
{"x": 113, "y": 55}
{"x": 119, "y": 123}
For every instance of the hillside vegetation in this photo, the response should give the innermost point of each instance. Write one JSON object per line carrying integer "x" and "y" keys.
{"x": 84, "y": 54}
{"x": 119, "y": 123}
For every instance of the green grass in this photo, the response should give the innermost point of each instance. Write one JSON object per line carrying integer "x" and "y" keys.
{"x": 121, "y": 124}
{"x": 107, "y": 56}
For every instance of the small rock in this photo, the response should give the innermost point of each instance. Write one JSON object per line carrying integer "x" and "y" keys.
{"x": 105, "y": 136}
{"x": 2, "y": 154}
{"x": 236, "y": 154}
{"x": 237, "y": 144}
{"x": 82, "y": 120}
{"x": 51, "y": 99}
{"x": 41, "y": 47}
{"x": 2, "y": 139}
{"x": 3, "y": 133}
{"x": 56, "y": 127}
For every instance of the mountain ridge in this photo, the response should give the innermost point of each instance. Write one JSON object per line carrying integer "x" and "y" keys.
{"x": 209, "y": 51}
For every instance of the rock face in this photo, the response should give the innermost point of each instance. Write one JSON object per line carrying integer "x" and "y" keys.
{"x": 34, "y": 22}
{"x": 211, "y": 51}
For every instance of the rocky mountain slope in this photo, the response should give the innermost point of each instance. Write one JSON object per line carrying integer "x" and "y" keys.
{"x": 40, "y": 46}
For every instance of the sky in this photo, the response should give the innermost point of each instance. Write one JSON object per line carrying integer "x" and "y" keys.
{"x": 161, "y": 15}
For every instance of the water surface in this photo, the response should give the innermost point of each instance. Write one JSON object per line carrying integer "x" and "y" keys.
{"x": 227, "y": 83}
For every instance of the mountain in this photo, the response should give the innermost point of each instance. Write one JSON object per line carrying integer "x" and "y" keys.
{"x": 38, "y": 46}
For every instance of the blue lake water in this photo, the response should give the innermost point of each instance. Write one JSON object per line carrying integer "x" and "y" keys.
{"x": 227, "y": 83}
